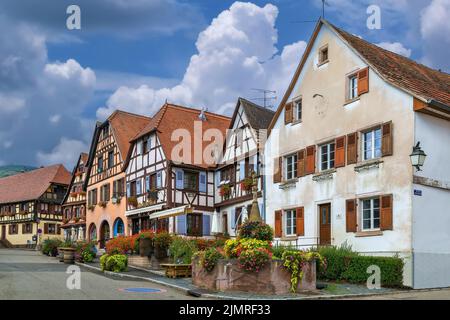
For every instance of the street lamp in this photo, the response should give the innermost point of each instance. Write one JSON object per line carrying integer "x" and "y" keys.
{"x": 417, "y": 157}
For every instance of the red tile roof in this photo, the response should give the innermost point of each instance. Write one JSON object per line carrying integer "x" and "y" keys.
{"x": 401, "y": 71}
{"x": 172, "y": 117}
{"x": 125, "y": 126}
{"x": 31, "y": 185}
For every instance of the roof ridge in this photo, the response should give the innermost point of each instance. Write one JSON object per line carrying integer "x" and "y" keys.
{"x": 192, "y": 109}
{"x": 257, "y": 105}
{"x": 117, "y": 111}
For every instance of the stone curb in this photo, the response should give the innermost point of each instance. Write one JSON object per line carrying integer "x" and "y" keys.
{"x": 226, "y": 297}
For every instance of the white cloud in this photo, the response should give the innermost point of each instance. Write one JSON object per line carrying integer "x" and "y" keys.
{"x": 435, "y": 31}
{"x": 236, "y": 53}
{"x": 10, "y": 104}
{"x": 54, "y": 119}
{"x": 396, "y": 47}
{"x": 70, "y": 70}
{"x": 66, "y": 152}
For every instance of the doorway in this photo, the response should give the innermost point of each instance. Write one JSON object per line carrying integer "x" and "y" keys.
{"x": 3, "y": 233}
{"x": 325, "y": 224}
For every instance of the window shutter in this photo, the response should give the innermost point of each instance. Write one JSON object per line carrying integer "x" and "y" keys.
{"x": 128, "y": 189}
{"x": 350, "y": 215}
{"x": 45, "y": 228}
{"x": 352, "y": 147}
{"x": 300, "y": 221}
{"x": 277, "y": 170}
{"x": 278, "y": 224}
{"x": 180, "y": 179}
{"x": 108, "y": 192}
{"x": 310, "y": 160}
{"x": 363, "y": 81}
{"x": 206, "y": 225}
{"x": 233, "y": 218}
{"x": 288, "y": 113}
{"x": 241, "y": 170}
{"x": 387, "y": 139}
{"x": 386, "y": 212}
{"x": 340, "y": 152}
{"x": 301, "y": 163}
{"x": 159, "y": 179}
{"x": 181, "y": 225}
{"x": 202, "y": 184}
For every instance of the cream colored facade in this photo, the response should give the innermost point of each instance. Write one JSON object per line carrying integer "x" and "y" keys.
{"x": 326, "y": 115}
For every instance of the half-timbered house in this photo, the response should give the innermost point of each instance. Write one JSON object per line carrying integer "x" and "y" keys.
{"x": 168, "y": 191}
{"x": 105, "y": 182}
{"x": 30, "y": 206}
{"x": 242, "y": 155}
{"x": 339, "y": 148}
{"x": 74, "y": 203}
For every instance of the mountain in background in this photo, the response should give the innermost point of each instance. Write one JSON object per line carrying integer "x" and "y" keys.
{"x": 6, "y": 171}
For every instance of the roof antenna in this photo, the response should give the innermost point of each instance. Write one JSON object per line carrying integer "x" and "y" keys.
{"x": 268, "y": 95}
{"x": 202, "y": 115}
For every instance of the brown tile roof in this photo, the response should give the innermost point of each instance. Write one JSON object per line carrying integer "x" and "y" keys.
{"x": 258, "y": 117}
{"x": 125, "y": 126}
{"x": 171, "y": 117}
{"x": 31, "y": 185}
{"x": 401, "y": 71}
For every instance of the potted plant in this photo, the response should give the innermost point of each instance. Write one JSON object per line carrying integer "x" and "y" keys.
{"x": 225, "y": 191}
{"x": 102, "y": 204}
{"x": 247, "y": 184}
{"x": 162, "y": 242}
{"x": 132, "y": 201}
{"x": 153, "y": 196}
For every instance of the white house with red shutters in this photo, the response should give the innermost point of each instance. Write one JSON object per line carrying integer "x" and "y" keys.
{"x": 339, "y": 148}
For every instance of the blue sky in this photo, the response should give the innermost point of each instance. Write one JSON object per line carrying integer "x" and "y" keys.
{"x": 55, "y": 83}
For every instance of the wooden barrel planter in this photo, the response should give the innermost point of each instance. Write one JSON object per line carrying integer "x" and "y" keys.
{"x": 61, "y": 254}
{"x": 145, "y": 247}
{"x": 160, "y": 252}
{"x": 69, "y": 255}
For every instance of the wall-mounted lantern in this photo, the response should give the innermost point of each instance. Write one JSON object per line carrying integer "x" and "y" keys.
{"x": 417, "y": 157}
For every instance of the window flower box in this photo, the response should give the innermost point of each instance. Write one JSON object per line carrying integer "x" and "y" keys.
{"x": 247, "y": 184}
{"x": 132, "y": 201}
{"x": 225, "y": 191}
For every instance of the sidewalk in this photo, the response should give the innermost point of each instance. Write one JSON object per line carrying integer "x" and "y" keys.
{"x": 333, "y": 290}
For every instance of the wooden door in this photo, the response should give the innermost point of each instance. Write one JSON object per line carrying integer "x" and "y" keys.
{"x": 325, "y": 224}
{"x": 3, "y": 232}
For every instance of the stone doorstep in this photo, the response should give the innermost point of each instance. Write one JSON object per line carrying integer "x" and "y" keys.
{"x": 222, "y": 296}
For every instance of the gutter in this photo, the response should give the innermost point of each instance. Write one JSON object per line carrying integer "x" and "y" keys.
{"x": 439, "y": 105}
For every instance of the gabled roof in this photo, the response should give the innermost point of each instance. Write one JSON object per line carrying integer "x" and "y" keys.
{"x": 32, "y": 185}
{"x": 125, "y": 126}
{"x": 82, "y": 158}
{"x": 172, "y": 117}
{"x": 423, "y": 83}
{"x": 257, "y": 116}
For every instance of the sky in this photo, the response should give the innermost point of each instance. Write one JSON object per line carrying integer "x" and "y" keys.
{"x": 55, "y": 83}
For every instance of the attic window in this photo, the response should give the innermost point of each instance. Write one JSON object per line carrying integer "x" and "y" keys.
{"x": 323, "y": 55}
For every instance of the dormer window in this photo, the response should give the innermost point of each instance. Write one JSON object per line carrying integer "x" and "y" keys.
{"x": 323, "y": 55}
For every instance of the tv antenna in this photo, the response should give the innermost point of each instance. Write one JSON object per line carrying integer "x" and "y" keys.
{"x": 268, "y": 95}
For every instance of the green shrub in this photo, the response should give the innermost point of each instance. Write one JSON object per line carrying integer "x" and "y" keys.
{"x": 254, "y": 259}
{"x": 277, "y": 251}
{"x": 162, "y": 240}
{"x": 256, "y": 230}
{"x": 115, "y": 262}
{"x": 181, "y": 250}
{"x": 210, "y": 257}
{"x": 343, "y": 264}
{"x": 50, "y": 247}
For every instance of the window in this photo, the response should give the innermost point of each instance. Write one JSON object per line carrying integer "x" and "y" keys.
{"x": 298, "y": 110}
{"x": 370, "y": 214}
{"x": 290, "y": 222}
{"x": 118, "y": 188}
{"x": 105, "y": 193}
{"x": 44, "y": 207}
{"x": 27, "y": 228}
{"x": 13, "y": 229}
{"x": 194, "y": 224}
{"x": 51, "y": 228}
{"x": 323, "y": 55}
{"x": 371, "y": 144}
{"x": 291, "y": 166}
{"x": 110, "y": 159}
{"x": 353, "y": 86}
{"x": 190, "y": 180}
{"x": 92, "y": 197}
{"x": 327, "y": 156}
{"x": 138, "y": 187}
{"x": 146, "y": 145}
{"x": 100, "y": 164}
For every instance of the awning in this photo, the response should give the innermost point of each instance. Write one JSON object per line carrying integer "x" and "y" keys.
{"x": 173, "y": 212}
{"x": 155, "y": 207}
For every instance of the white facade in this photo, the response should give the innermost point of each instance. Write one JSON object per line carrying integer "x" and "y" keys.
{"x": 327, "y": 114}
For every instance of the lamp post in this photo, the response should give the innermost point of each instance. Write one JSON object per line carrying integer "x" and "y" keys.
{"x": 417, "y": 157}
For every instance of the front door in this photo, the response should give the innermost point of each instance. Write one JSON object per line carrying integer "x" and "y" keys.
{"x": 3, "y": 232}
{"x": 325, "y": 224}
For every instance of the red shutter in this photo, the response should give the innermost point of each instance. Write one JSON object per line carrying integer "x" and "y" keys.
{"x": 310, "y": 160}
{"x": 301, "y": 163}
{"x": 277, "y": 170}
{"x": 350, "y": 215}
{"x": 387, "y": 139}
{"x": 288, "y": 113}
{"x": 300, "y": 221}
{"x": 339, "y": 160}
{"x": 386, "y": 213}
{"x": 278, "y": 224}
{"x": 45, "y": 228}
{"x": 352, "y": 148}
{"x": 363, "y": 81}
